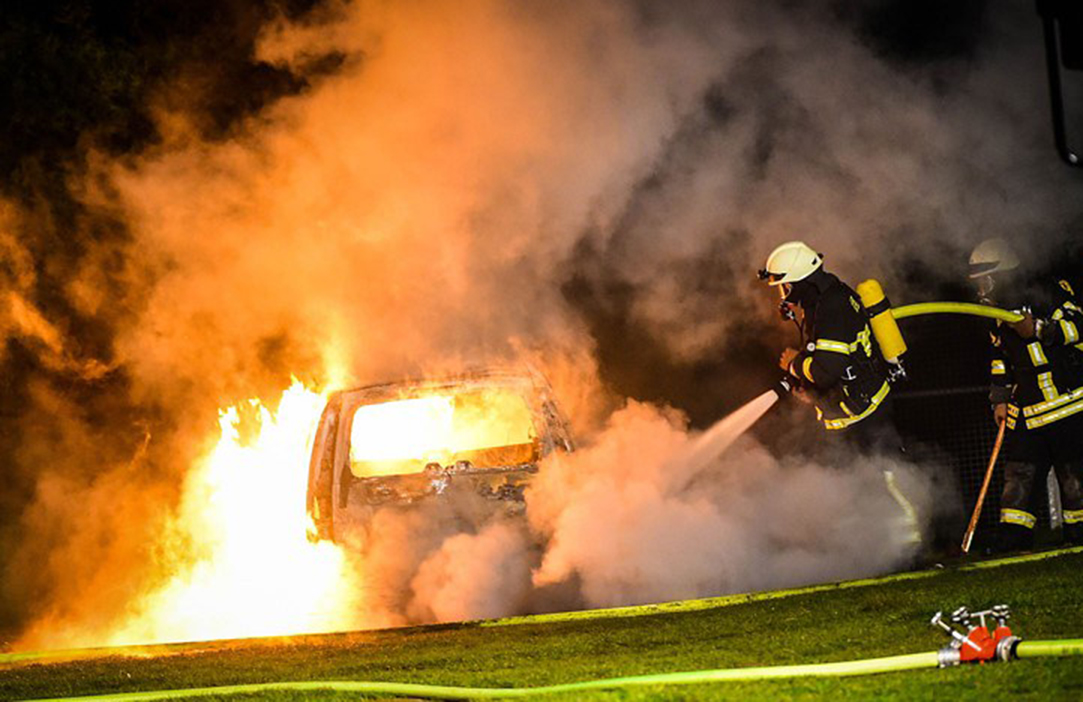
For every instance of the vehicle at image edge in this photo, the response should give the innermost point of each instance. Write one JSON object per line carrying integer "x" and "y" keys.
{"x": 405, "y": 443}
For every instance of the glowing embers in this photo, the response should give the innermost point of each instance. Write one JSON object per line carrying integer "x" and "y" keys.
{"x": 487, "y": 428}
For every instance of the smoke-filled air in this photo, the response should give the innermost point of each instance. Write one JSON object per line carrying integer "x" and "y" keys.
{"x": 476, "y": 183}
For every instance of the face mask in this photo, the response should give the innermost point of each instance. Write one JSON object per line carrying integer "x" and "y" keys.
{"x": 986, "y": 285}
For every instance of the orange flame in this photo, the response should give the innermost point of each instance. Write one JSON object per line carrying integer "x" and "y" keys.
{"x": 401, "y": 436}
{"x": 252, "y": 571}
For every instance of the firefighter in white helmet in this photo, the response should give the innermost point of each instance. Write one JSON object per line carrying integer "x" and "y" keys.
{"x": 840, "y": 369}
{"x": 1036, "y": 388}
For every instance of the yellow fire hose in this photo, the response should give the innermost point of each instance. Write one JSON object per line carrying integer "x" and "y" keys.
{"x": 1039, "y": 649}
{"x": 867, "y": 666}
{"x": 954, "y": 308}
{"x": 883, "y": 317}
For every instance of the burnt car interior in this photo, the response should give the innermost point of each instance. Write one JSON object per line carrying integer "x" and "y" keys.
{"x": 476, "y": 428}
{"x": 401, "y": 443}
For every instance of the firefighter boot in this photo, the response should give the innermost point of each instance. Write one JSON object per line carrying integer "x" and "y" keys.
{"x": 1016, "y": 530}
{"x": 1014, "y": 537}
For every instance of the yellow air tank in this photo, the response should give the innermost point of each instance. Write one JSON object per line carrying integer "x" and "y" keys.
{"x": 883, "y": 324}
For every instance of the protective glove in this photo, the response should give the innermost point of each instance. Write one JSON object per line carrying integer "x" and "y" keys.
{"x": 1024, "y": 327}
{"x": 786, "y": 359}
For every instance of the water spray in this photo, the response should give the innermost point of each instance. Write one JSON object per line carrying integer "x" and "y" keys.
{"x": 724, "y": 432}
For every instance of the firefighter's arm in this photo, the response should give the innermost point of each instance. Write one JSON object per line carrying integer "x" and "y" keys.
{"x": 1063, "y": 327}
{"x": 825, "y": 364}
{"x": 826, "y": 359}
{"x": 1001, "y": 379}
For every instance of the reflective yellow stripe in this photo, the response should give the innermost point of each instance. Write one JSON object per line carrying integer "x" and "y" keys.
{"x": 1070, "y": 332}
{"x": 829, "y": 345}
{"x": 1037, "y": 353}
{"x": 1017, "y": 516}
{"x": 843, "y": 422}
{"x": 1079, "y": 346}
{"x": 1032, "y": 410}
{"x": 1057, "y": 315}
{"x": 863, "y": 340}
{"x": 1012, "y": 410}
{"x": 1071, "y": 306}
{"x": 1011, "y": 422}
{"x": 909, "y": 515}
{"x": 999, "y": 368}
{"x": 1073, "y": 516}
{"x": 806, "y": 368}
{"x": 1049, "y": 390}
{"x": 1050, "y": 417}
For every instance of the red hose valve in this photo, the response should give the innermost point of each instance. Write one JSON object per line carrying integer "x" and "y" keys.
{"x": 978, "y": 643}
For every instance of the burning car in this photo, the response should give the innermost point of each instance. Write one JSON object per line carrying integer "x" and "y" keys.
{"x": 405, "y": 443}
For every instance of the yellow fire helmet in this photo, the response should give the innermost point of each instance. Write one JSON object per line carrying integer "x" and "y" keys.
{"x": 791, "y": 262}
{"x": 992, "y": 256}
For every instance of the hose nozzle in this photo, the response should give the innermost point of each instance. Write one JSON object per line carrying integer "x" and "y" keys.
{"x": 784, "y": 387}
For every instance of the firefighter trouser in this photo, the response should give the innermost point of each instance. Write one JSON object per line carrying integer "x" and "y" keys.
{"x": 877, "y": 435}
{"x": 1024, "y": 488}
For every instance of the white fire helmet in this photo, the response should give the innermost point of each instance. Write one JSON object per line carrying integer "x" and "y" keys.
{"x": 791, "y": 262}
{"x": 992, "y": 256}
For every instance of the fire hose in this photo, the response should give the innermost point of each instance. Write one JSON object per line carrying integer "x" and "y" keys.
{"x": 867, "y": 666}
{"x": 922, "y": 308}
{"x": 883, "y": 317}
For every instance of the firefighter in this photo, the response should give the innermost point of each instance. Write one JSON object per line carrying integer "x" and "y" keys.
{"x": 1037, "y": 389}
{"x": 840, "y": 369}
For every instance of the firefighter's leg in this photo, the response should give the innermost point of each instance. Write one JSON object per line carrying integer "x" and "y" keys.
{"x": 1071, "y": 497}
{"x": 1016, "y": 522}
{"x": 909, "y": 526}
{"x": 878, "y": 435}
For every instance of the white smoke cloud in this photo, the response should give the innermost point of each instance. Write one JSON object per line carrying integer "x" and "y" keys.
{"x": 640, "y": 516}
{"x": 474, "y": 576}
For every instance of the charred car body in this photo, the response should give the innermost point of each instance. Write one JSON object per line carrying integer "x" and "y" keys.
{"x": 400, "y": 444}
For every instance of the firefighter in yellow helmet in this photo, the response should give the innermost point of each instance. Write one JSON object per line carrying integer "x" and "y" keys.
{"x": 1036, "y": 388}
{"x": 840, "y": 369}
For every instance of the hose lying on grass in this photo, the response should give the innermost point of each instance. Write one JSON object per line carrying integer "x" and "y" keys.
{"x": 910, "y": 661}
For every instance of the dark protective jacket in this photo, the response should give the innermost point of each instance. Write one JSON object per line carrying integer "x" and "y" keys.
{"x": 841, "y": 367}
{"x": 1041, "y": 378}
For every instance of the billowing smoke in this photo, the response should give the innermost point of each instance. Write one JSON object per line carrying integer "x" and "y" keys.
{"x": 486, "y": 181}
{"x": 641, "y": 515}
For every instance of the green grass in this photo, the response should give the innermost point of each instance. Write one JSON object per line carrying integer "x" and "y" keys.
{"x": 826, "y": 624}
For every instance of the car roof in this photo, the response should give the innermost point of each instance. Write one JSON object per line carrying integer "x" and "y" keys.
{"x": 477, "y": 377}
